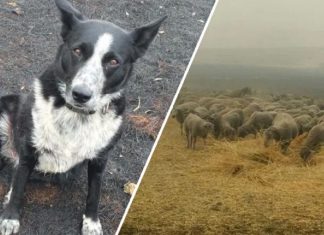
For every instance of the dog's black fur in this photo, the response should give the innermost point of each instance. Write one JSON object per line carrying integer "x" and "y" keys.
{"x": 55, "y": 91}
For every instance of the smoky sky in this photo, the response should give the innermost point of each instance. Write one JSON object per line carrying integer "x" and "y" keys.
{"x": 285, "y": 26}
{"x": 267, "y": 23}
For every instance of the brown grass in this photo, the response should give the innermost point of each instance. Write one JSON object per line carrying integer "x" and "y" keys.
{"x": 228, "y": 188}
{"x": 146, "y": 124}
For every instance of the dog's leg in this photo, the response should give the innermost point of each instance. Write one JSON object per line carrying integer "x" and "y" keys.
{"x": 9, "y": 220}
{"x": 91, "y": 223}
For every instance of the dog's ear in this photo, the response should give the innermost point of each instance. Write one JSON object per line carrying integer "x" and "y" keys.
{"x": 144, "y": 35}
{"x": 69, "y": 16}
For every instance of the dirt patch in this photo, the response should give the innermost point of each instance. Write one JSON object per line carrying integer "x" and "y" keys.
{"x": 28, "y": 43}
{"x": 43, "y": 194}
{"x": 3, "y": 190}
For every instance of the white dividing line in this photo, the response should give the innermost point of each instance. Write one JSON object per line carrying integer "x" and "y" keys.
{"x": 166, "y": 118}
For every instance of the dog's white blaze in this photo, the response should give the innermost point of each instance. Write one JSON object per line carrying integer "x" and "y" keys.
{"x": 6, "y": 138}
{"x": 64, "y": 138}
{"x": 90, "y": 227}
{"x": 92, "y": 74}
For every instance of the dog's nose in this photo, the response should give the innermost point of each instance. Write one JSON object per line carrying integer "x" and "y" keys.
{"x": 81, "y": 94}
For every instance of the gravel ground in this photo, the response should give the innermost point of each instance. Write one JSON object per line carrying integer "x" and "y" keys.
{"x": 29, "y": 37}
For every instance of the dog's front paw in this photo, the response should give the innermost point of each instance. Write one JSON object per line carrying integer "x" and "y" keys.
{"x": 9, "y": 226}
{"x": 9, "y": 222}
{"x": 91, "y": 227}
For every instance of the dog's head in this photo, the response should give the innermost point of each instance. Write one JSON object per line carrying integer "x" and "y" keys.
{"x": 95, "y": 60}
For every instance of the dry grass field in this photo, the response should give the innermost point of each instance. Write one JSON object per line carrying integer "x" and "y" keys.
{"x": 228, "y": 188}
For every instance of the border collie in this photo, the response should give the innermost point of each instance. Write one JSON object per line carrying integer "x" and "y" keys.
{"x": 75, "y": 111}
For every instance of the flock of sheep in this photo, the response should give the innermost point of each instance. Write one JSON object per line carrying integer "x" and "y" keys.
{"x": 239, "y": 114}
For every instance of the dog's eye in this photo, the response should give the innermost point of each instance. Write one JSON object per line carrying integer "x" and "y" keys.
{"x": 77, "y": 52}
{"x": 111, "y": 63}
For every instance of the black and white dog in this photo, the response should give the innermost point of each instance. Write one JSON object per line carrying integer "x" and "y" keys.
{"x": 75, "y": 111}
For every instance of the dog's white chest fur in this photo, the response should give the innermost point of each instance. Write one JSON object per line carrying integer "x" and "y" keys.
{"x": 64, "y": 138}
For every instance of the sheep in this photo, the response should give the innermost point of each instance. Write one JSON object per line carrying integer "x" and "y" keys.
{"x": 320, "y": 104}
{"x": 208, "y": 101}
{"x": 230, "y": 122}
{"x": 186, "y": 97}
{"x": 313, "y": 141}
{"x": 269, "y": 107}
{"x": 196, "y": 127}
{"x": 292, "y": 104}
{"x": 280, "y": 110}
{"x": 226, "y": 124}
{"x": 308, "y": 100}
{"x": 216, "y": 108}
{"x": 296, "y": 112}
{"x": 234, "y": 118}
{"x": 320, "y": 120}
{"x": 216, "y": 119}
{"x": 312, "y": 110}
{"x": 181, "y": 111}
{"x": 320, "y": 113}
{"x": 241, "y": 92}
{"x": 304, "y": 122}
{"x": 251, "y": 108}
{"x": 283, "y": 130}
{"x": 272, "y": 106}
{"x": 257, "y": 122}
{"x": 201, "y": 112}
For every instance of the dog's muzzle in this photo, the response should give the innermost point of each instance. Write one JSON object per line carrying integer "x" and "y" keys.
{"x": 79, "y": 110}
{"x": 104, "y": 110}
